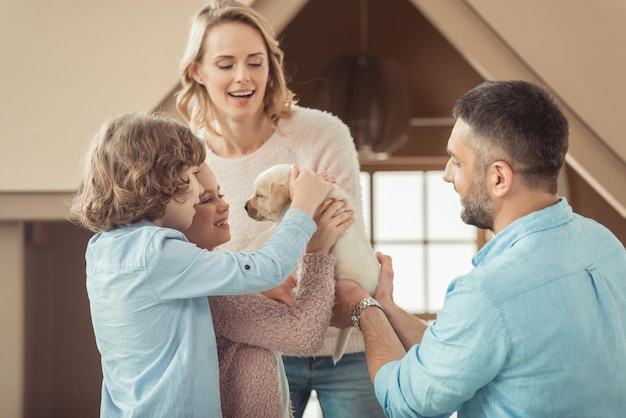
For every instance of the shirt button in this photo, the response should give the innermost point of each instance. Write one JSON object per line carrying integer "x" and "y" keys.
{"x": 247, "y": 266}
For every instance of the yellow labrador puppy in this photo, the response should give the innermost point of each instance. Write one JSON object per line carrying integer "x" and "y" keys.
{"x": 355, "y": 258}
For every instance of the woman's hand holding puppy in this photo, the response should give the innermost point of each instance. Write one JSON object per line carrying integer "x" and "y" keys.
{"x": 330, "y": 225}
{"x": 307, "y": 190}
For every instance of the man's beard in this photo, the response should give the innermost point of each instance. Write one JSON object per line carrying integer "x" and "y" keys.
{"x": 477, "y": 207}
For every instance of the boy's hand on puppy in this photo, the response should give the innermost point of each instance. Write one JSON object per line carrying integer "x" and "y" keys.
{"x": 330, "y": 225}
{"x": 307, "y": 190}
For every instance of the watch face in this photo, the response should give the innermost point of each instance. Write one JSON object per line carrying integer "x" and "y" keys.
{"x": 356, "y": 313}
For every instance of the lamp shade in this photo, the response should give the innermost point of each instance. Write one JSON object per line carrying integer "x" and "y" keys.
{"x": 369, "y": 93}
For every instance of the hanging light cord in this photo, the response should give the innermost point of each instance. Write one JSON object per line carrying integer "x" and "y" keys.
{"x": 363, "y": 36}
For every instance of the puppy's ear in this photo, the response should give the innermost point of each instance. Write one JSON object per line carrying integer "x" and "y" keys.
{"x": 280, "y": 200}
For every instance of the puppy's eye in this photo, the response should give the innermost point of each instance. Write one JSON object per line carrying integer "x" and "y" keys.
{"x": 259, "y": 195}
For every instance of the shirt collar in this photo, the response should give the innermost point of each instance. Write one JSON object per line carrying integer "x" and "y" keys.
{"x": 547, "y": 218}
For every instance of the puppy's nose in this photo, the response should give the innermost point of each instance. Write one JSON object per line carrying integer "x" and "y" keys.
{"x": 250, "y": 210}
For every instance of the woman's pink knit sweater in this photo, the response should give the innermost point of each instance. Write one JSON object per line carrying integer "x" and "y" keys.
{"x": 249, "y": 383}
{"x": 250, "y": 328}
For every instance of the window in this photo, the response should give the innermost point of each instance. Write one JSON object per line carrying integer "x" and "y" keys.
{"x": 414, "y": 216}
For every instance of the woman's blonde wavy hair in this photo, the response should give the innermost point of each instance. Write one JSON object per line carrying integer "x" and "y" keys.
{"x": 134, "y": 166}
{"x": 193, "y": 101}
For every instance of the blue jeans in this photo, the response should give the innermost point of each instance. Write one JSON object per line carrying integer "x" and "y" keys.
{"x": 344, "y": 390}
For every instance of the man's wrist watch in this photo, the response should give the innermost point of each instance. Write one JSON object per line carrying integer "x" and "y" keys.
{"x": 356, "y": 312}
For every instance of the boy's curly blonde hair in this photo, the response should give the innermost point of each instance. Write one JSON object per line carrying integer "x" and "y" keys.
{"x": 135, "y": 165}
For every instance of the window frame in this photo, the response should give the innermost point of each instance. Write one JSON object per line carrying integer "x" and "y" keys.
{"x": 421, "y": 164}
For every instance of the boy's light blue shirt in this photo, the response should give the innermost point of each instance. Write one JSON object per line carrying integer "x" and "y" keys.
{"x": 148, "y": 289}
{"x": 536, "y": 329}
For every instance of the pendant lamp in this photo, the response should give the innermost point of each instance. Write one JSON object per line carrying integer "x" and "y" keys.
{"x": 370, "y": 94}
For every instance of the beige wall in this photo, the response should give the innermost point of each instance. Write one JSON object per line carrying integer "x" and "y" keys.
{"x": 575, "y": 47}
{"x": 578, "y": 48}
{"x": 68, "y": 66}
{"x": 72, "y": 67}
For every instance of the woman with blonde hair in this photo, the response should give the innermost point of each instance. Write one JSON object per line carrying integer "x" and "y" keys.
{"x": 234, "y": 96}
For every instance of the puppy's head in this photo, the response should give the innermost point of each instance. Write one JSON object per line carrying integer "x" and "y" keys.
{"x": 271, "y": 197}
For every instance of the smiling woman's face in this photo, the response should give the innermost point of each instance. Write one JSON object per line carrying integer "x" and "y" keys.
{"x": 210, "y": 226}
{"x": 234, "y": 70}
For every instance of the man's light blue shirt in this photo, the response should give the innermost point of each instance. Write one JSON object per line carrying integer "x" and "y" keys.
{"x": 536, "y": 329}
{"x": 148, "y": 289}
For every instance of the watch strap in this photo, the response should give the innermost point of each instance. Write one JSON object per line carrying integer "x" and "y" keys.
{"x": 356, "y": 312}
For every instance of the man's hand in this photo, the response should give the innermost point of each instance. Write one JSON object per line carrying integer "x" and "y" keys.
{"x": 348, "y": 294}
{"x": 384, "y": 291}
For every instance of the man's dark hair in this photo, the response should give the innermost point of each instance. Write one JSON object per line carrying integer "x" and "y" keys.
{"x": 520, "y": 123}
